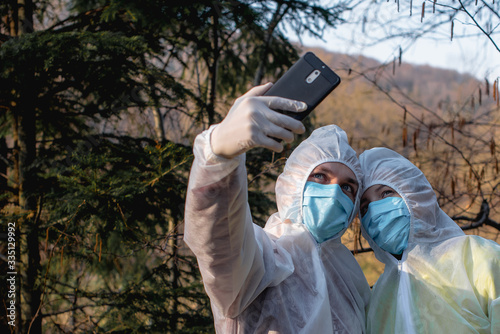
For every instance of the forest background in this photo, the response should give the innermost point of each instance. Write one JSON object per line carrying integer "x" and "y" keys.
{"x": 100, "y": 102}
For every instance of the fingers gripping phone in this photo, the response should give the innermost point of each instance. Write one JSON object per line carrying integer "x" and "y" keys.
{"x": 308, "y": 80}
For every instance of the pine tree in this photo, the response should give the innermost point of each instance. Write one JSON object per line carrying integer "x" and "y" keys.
{"x": 94, "y": 165}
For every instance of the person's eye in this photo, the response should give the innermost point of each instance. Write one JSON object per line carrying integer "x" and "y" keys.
{"x": 347, "y": 188}
{"x": 387, "y": 193}
{"x": 319, "y": 176}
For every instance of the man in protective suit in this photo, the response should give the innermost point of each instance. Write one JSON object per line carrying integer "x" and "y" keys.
{"x": 436, "y": 279}
{"x": 294, "y": 275}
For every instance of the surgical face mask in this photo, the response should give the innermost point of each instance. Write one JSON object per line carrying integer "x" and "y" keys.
{"x": 325, "y": 209}
{"x": 387, "y": 222}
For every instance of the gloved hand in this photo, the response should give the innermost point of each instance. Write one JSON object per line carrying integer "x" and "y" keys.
{"x": 251, "y": 122}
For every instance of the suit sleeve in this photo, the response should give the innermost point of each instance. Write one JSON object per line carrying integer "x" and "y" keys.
{"x": 234, "y": 255}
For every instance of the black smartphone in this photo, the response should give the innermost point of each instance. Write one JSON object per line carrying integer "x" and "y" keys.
{"x": 308, "y": 80}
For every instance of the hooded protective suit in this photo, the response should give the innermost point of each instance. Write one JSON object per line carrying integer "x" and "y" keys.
{"x": 446, "y": 281}
{"x": 277, "y": 279}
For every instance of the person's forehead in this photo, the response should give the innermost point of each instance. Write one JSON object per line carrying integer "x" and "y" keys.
{"x": 336, "y": 168}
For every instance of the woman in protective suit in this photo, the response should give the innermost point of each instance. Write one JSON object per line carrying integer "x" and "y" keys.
{"x": 436, "y": 278}
{"x": 294, "y": 275}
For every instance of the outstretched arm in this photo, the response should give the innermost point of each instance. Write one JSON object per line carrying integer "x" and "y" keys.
{"x": 234, "y": 256}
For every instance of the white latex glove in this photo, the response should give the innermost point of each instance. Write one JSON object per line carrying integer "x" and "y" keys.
{"x": 251, "y": 122}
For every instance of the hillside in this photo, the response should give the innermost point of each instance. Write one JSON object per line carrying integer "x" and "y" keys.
{"x": 362, "y": 106}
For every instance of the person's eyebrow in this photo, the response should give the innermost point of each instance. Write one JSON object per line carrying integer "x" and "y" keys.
{"x": 321, "y": 168}
{"x": 353, "y": 181}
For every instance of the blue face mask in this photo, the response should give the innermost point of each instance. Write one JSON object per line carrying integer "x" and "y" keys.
{"x": 326, "y": 210}
{"x": 387, "y": 222}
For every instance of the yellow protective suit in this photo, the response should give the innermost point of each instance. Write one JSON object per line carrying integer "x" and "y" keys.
{"x": 446, "y": 281}
{"x": 276, "y": 279}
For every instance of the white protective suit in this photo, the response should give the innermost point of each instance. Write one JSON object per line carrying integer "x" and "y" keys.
{"x": 446, "y": 281}
{"x": 277, "y": 279}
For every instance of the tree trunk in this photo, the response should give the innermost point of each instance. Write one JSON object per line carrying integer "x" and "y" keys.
{"x": 174, "y": 266}
{"x": 277, "y": 16}
{"x": 26, "y": 136}
{"x": 213, "y": 68}
{"x": 27, "y": 202}
{"x": 4, "y": 168}
{"x": 159, "y": 125}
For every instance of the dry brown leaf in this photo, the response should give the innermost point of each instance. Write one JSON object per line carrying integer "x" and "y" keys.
{"x": 495, "y": 90}
{"x": 405, "y": 134}
{"x": 415, "y": 137}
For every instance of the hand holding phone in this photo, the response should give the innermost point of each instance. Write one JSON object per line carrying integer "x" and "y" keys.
{"x": 308, "y": 80}
{"x": 253, "y": 122}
